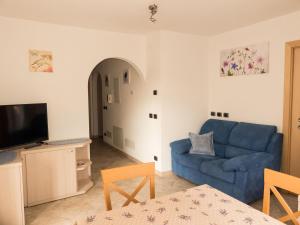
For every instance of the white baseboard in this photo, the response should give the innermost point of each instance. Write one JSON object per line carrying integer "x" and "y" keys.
{"x": 164, "y": 174}
{"x": 158, "y": 173}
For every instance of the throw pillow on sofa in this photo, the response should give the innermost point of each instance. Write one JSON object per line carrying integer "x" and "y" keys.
{"x": 202, "y": 144}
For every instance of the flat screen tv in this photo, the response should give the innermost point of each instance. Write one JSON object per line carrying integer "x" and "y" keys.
{"x": 22, "y": 125}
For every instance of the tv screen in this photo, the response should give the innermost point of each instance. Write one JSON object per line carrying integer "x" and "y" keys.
{"x": 22, "y": 125}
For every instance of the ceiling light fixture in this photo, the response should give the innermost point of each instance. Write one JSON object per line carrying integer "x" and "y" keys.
{"x": 153, "y": 10}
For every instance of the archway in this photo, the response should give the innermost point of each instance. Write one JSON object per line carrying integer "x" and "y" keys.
{"x": 115, "y": 92}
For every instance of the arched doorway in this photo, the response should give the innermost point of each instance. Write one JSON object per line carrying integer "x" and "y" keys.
{"x": 115, "y": 97}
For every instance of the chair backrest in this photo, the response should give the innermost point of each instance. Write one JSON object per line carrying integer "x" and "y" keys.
{"x": 109, "y": 176}
{"x": 275, "y": 179}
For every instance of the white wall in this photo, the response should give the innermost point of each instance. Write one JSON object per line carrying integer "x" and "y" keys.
{"x": 76, "y": 52}
{"x": 154, "y": 82}
{"x": 253, "y": 98}
{"x": 177, "y": 69}
{"x": 184, "y": 88}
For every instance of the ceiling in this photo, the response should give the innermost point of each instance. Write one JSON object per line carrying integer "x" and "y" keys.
{"x": 205, "y": 17}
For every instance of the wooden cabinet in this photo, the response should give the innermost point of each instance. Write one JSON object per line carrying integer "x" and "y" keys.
{"x": 42, "y": 174}
{"x": 55, "y": 171}
{"x": 11, "y": 194}
{"x": 51, "y": 175}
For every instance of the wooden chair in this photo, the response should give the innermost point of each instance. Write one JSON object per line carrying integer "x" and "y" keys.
{"x": 298, "y": 202}
{"x": 109, "y": 176}
{"x": 275, "y": 179}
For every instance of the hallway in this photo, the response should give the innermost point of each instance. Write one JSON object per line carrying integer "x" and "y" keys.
{"x": 65, "y": 211}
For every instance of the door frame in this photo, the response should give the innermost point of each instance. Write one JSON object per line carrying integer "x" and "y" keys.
{"x": 288, "y": 99}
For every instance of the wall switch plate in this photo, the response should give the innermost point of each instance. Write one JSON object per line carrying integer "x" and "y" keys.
{"x": 213, "y": 113}
{"x": 155, "y": 158}
{"x": 150, "y": 115}
{"x": 226, "y": 115}
{"x": 155, "y": 116}
{"x": 154, "y": 92}
{"x": 219, "y": 114}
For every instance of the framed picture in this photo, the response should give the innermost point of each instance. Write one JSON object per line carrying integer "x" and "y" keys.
{"x": 106, "y": 81}
{"x": 40, "y": 61}
{"x": 109, "y": 99}
{"x": 126, "y": 77}
{"x": 251, "y": 59}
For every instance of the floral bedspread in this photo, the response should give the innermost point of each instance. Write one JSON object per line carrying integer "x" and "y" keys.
{"x": 202, "y": 205}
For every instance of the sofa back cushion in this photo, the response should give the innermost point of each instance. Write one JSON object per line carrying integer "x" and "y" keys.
{"x": 231, "y": 152}
{"x": 220, "y": 150}
{"x": 250, "y": 136}
{"x": 220, "y": 128}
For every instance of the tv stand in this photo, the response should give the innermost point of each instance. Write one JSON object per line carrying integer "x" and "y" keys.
{"x": 33, "y": 145}
{"x": 36, "y": 145}
{"x": 11, "y": 195}
{"x": 42, "y": 174}
{"x": 67, "y": 165}
{"x": 7, "y": 156}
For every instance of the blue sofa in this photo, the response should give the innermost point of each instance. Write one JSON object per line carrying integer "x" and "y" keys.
{"x": 242, "y": 151}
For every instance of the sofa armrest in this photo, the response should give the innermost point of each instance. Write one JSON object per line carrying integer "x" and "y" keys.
{"x": 181, "y": 146}
{"x": 247, "y": 162}
{"x": 275, "y": 148}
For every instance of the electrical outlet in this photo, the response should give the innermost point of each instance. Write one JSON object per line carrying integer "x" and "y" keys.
{"x": 154, "y": 92}
{"x": 226, "y": 115}
{"x": 213, "y": 113}
{"x": 150, "y": 115}
{"x": 219, "y": 114}
{"x": 155, "y": 158}
{"x": 155, "y": 116}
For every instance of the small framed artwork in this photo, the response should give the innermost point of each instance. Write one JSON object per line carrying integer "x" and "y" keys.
{"x": 106, "y": 81}
{"x": 109, "y": 99}
{"x": 126, "y": 77}
{"x": 40, "y": 61}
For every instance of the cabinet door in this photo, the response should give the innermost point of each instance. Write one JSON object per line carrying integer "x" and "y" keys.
{"x": 11, "y": 195}
{"x": 50, "y": 175}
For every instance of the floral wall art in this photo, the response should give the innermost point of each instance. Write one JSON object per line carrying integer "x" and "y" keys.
{"x": 40, "y": 61}
{"x": 252, "y": 59}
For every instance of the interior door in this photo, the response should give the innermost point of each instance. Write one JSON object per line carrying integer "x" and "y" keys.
{"x": 295, "y": 121}
{"x": 50, "y": 175}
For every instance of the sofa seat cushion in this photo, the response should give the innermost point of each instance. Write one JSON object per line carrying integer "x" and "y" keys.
{"x": 193, "y": 161}
{"x": 214, "y": 168}
{"x": 220, "y": 128}
{"x": 250, "y": 136}
{"x": 231, "y": 152}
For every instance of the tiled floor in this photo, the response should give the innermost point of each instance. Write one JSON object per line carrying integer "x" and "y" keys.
{"x": 65, "y": 212}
